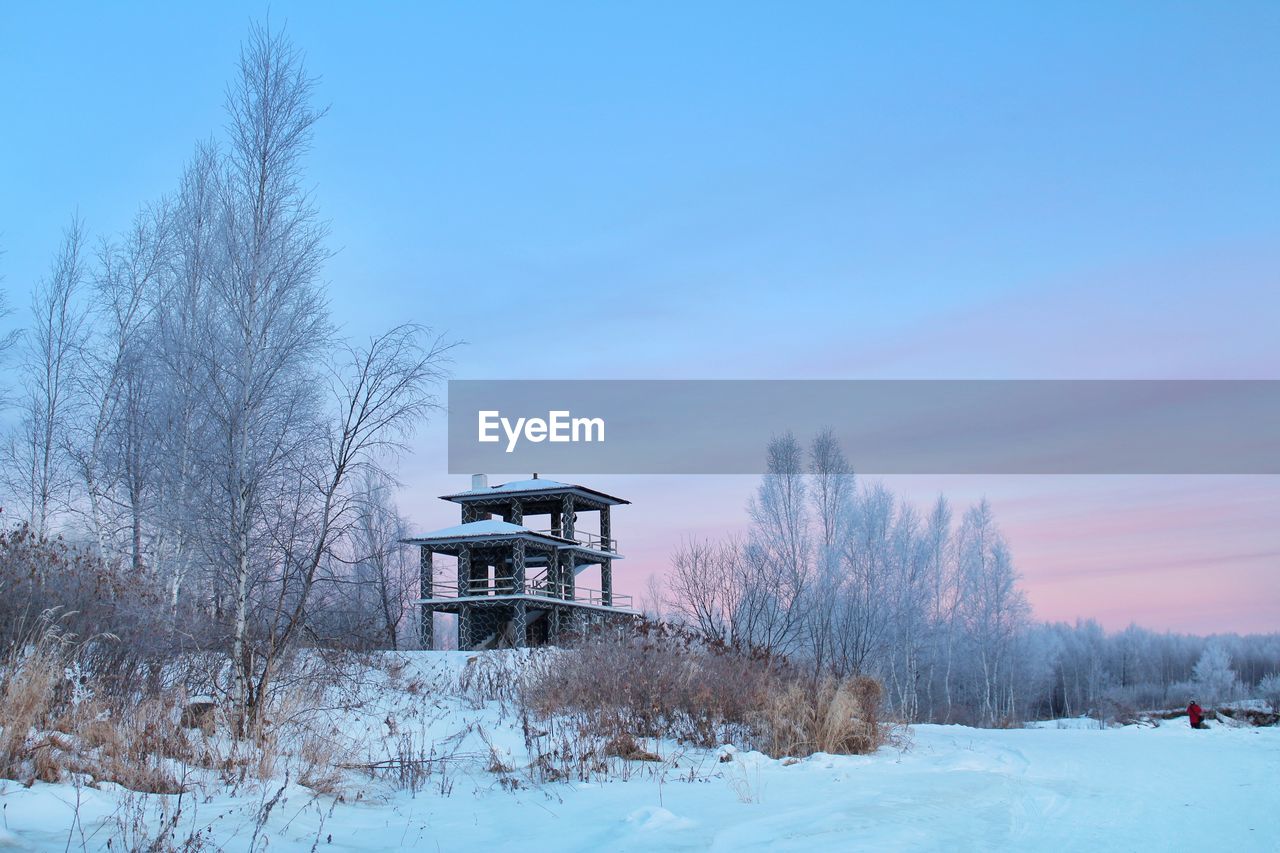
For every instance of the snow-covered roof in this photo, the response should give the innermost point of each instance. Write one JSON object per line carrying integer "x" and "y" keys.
{"x": 488, "y": 527}
{"x": 538, "y": 484}
{"x": 475, "y": 529}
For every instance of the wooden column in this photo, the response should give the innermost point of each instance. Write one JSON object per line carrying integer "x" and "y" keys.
{"x": 520, "y": 624}
{"x": 426, "y": 627}
{"x": 606, "y": 565}
{"x": 464, "y": 571}
{"x": 566, "y": 516}
{"x": 570, "y": 575}
{"x": 517, "y": 566}
{"x": 465, "y": 640}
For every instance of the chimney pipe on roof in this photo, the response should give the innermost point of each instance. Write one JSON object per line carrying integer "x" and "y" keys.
{"x": 479, "y": 481}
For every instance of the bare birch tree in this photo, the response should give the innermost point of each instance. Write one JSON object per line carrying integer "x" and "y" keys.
{"x": 266, "y": 323}
{"x": 706, "y": 587}
{"x": 37, "y": 470}
{"x": 993, "y": 609}
{"x": 7, "y": 341}
{"x": 832, "y": 495}
{"x": 378, "y": 396}
{"x": 775, "y": 563}
{"x": 179, "y": 322}
{"x": 112, "y": 436}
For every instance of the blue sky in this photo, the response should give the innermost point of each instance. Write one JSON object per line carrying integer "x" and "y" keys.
{"x": 748, "y": 190}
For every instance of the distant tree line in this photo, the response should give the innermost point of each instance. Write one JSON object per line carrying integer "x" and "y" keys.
{"x": 851, "y": 580}
{"x": 189, "y": 417}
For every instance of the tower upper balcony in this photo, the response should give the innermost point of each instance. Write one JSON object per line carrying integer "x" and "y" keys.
{"x": 561, "y": 503}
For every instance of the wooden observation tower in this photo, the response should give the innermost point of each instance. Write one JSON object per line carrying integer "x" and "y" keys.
{"x": 516, "y": 583}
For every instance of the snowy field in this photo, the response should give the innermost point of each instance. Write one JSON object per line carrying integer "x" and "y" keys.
{"x": 1059, "y": 786}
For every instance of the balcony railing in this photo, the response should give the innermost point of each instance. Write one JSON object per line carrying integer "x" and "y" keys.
{"x": 582, "y": 537}
{"x": 537, "y": 586}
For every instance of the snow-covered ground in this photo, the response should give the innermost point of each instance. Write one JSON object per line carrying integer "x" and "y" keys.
{"x": 1057, "y": 786}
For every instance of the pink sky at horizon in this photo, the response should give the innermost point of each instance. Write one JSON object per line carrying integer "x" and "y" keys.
{"x": 1193, "y": 554}
{"x": 1196, "y": 554}
{"x": 1121, "y": 550}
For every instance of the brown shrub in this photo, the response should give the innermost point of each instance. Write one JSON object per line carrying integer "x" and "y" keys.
{"x": 199, "y": 715}
{"x": 94, "y": 598}
{"x": 661, "y": 682}
{"x": 624, "y": 746}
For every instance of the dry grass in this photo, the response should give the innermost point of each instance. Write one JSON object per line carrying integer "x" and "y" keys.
{"x": 320, "y": 760}
{"x": 53, "y": 722}
{"x": 491, "y": 677}
{"x": 29, "y": 676}
{"x": 607, "y": 708}
{"x": 661, "y": 683}
{"x": 136, "y": 747}
{"x": 53, "y": 730}
{"x": 829, "y": 716}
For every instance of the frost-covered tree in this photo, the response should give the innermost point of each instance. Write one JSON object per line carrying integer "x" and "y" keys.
{"x": 175, "y": 336}
{"x": 1213, "y": 678}
{"x": 994, "y": 611}
{"x": 7, "y": 340}
{"x": 384, "y": 574}
{"x": 266, "y": 326}
{"x": 1269, "y": 690}
{"x": 866, "y": 569}
{"x": 194, "y": 414}
{"x": 112, "y": 438}
{"x": 943, "y": 603}
{"x": 863, "y": 584}
{"x": 832, "y": 495}
{"x": 37, "y": 471}
{"x": 775, "y": 562}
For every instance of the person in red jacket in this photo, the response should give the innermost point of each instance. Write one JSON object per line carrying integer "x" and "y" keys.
{"x": 1196, "y": 713}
